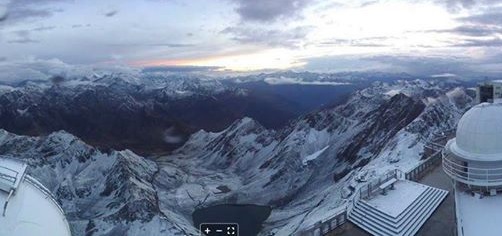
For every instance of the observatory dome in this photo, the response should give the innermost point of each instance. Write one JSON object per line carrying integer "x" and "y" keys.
{"x": 479, "y": 133}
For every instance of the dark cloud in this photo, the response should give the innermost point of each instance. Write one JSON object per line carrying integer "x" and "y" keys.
{"x": 362, "y": 42}
{"x": 271, "y": 37}
{"x": 456, "y": 5}
{"x": 479, "y": 27}
{"x": 80, "y": 26}
{"x": 494, "y": 42}
{"x": 37, "y": 2}
{"x": 44, "y": 28}
{"x": 23, "y": 37}
{"x": 180, "y": 69}
{"x": 20, "y": 10}
{"x": 368, "y": 3}
{"x": 57, "y": 79}
{"x": 171, "y": 45}
{"x": 493, "y": 18}
{"x": 20, "y": 14}
{"x": 415, "y": 65}
{"x": 111, "y": 13}
{"x": 426, "y": 65}
{"x": 3, "y": 13}
{"x": 23, "y": 41}
{"x": 472, "y": 30}
{"x": 269, "y": 10}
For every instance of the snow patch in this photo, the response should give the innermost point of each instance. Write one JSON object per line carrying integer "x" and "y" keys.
{"x": 313, "y": 156}
{"x": 393, "y": 92}
{"x": 22, "y": 112}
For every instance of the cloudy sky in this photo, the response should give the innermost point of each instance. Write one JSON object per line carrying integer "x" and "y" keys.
{"x": 426, "y": 37}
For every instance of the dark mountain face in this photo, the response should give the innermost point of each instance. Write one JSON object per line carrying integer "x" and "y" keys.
{"x": 155, "y": 113}
{"x": 383, "y": 123}
{"x": 152, "y": 116}
{"x": 113, "y": 118}
{"x": 100, "y": 115}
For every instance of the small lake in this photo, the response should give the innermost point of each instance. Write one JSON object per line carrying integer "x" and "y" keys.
{"x": 249, "y": 217}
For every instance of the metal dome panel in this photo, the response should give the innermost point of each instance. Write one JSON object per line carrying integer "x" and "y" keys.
{"x": 479, "y": 132}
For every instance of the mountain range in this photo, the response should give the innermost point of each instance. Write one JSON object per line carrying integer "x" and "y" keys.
{"x": 155, "y": 112}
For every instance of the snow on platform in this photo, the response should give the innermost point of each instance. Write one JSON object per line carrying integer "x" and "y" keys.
{"x": 477, "y": 216}
{"x": 397, "y": 200}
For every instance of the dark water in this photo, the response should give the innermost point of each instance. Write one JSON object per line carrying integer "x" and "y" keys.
{"x": 249, "y": 217}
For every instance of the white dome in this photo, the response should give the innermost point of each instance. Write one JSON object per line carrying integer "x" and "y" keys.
{"x": 479, "y": 131}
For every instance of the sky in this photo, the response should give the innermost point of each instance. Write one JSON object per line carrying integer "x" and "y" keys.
{"x": 424, "y": 37}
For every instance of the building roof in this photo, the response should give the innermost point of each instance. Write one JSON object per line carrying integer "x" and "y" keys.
{"x": 30, "y": 209}
{"x": 479, "y": 133}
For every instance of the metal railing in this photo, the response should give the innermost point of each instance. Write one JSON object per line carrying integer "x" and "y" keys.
{"x": 368, "y": 189}
{"x": 421, "y": 169}
{"x": 324, "y": 227}
{"x": 373, "y": 187}
{"x": 471, "y": 175}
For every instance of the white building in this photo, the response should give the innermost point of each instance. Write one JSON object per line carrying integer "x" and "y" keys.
{"x": 27, "y": 207}
{"x": 489, "y": 92}
{"x": 473, "y": 160}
